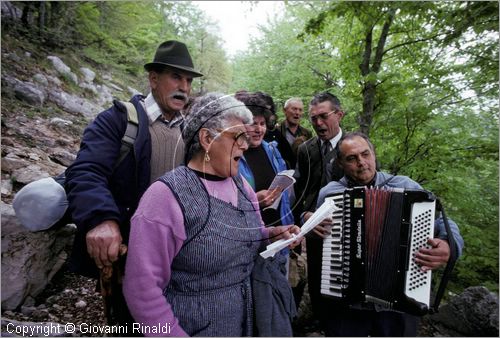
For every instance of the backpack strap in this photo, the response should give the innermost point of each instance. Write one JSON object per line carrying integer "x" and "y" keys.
{"x": 130, "y": 135}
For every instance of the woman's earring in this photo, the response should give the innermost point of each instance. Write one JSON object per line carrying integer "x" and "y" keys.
{"x": 207, "y": 158}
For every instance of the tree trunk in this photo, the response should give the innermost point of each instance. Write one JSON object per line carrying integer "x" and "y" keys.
{"x": 26, "y": 14}
{"x": 41, "y": 18}
{"x": 365, "y": 119}
{"x": 202, "y": 50}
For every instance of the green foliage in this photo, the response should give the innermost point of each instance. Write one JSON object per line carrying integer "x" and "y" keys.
{"x": 124, "y": 35}
{"x": 435, "y": 99}
{"x": 421, "y": 77}
{"x": 205, "y": 47}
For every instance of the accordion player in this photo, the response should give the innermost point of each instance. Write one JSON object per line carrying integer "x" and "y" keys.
{"x": 368, "y": 257}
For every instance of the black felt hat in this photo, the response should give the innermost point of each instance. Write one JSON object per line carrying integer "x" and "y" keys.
{"x": 173, "y": 54}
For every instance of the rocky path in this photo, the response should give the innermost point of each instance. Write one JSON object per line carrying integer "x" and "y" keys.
{"x": 68, "y": 298}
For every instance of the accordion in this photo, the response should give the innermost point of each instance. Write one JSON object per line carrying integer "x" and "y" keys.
{"x": 369, "y": 255}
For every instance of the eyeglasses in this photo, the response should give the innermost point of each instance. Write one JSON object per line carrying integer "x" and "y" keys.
{"x": 240, "y": 137}
{"x": 322, "y": 116}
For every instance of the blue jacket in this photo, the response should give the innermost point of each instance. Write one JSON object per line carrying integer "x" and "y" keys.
{"x": 96, "y": 190}
{"x": 278, "y": 164}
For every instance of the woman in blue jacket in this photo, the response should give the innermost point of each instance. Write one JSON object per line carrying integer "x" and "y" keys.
{"x": 261, "y": 162}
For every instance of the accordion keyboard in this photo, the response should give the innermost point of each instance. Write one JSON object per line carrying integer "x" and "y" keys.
{"x": 335, "y": 270}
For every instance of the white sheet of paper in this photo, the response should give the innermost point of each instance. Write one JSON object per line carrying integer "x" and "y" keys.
{"x": 283, "y": 180}
{"x": 325, "y": 210}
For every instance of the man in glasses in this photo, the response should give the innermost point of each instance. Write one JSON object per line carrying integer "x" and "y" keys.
{"x": 316, "y": 166}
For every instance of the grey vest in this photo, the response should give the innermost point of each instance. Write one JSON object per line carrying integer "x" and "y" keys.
{"x": 209, "y": 289}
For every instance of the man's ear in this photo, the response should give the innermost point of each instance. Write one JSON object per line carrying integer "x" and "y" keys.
{"x": 206, "y": 138}
{"x": 341, "y": 114}
{"x": 154, "y": 78}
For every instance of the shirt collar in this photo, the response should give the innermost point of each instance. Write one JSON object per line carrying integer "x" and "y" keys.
{"x": 154, "y": 112}
{"x": 373, "y": 183}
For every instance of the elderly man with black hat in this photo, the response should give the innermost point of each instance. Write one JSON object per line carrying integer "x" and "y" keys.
{"x": 103, "y": 190}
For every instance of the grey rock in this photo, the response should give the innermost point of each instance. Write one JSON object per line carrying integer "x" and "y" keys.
{"x": 6, "y": 187}
{"x": 9, "y": 11}
{"x": 105, "y": 96}
{"x": 13, "y": 56}
{"x": 60, "y": 122}
{"x": 41, "y": 79}
{"x": 115, "y": 87}
{"x": 59, "y": 65}
{"x": 29, "y": 174}
{"x": 29, "y": 301}
{"x": 9, "y": 82}
{"x": 58, "y": 307}
{"x": 29, "y": 93}
{"x": 27, "y": 310}
{"x": 74, "y": 104}
{"x": 62, "y": 68}
{"x": 54, "y": 80}
{"x": 52, "y": 299}
{"x": 133, "y": 91}
{"x": 29, "y": 260}
{"x": 80, "y": 304}
{"x": 89, "y": 86}
{"x": 472, "y": 313}
{"x": 40, "y": 315}
{"x": 34, "y": 157}
{"x": 88, "y": 74}
{"x": 63, "y": 157}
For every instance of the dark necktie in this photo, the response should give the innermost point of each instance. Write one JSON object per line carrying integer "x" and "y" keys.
{"x": 326, "y": 148}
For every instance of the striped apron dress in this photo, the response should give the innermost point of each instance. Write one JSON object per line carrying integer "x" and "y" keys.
{"x": 210, "y": 291}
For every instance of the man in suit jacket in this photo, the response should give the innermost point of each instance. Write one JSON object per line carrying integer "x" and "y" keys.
{"x": 316, "y": 166}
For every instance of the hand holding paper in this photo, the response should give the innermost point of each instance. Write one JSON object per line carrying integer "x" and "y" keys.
{"x": 282, "y": 181}
{"x": 326, "y": 210}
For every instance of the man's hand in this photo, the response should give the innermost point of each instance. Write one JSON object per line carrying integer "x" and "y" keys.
{"x": 438, "y": 255}
{"x": 103, "y": 243}
{"x": 323, "y": 229}
{"x": 285, "y": 232}
{"x": 267, "y": 197}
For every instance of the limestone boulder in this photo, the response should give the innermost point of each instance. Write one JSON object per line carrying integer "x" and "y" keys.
{"x": 29, "y": 260}
{"x": 62, "y": 68}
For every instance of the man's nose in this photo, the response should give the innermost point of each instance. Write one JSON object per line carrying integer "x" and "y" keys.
{"x": 319, "y": 122}
{"x": 184, "y": 85}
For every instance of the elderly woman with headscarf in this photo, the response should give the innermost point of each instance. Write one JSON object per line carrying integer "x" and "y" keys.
{"x": 197, "y": 232}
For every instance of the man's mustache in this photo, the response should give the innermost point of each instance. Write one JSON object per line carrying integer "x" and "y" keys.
{"x": 179, "y": 96}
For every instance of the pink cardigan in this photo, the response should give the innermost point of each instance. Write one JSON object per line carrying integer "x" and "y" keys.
{"x": 156, "y": 236}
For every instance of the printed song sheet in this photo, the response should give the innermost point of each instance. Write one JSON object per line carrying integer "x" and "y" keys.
{"x": 326, "y": 210}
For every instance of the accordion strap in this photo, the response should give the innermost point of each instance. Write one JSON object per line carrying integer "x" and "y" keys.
{"x": 451, "y": 261}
